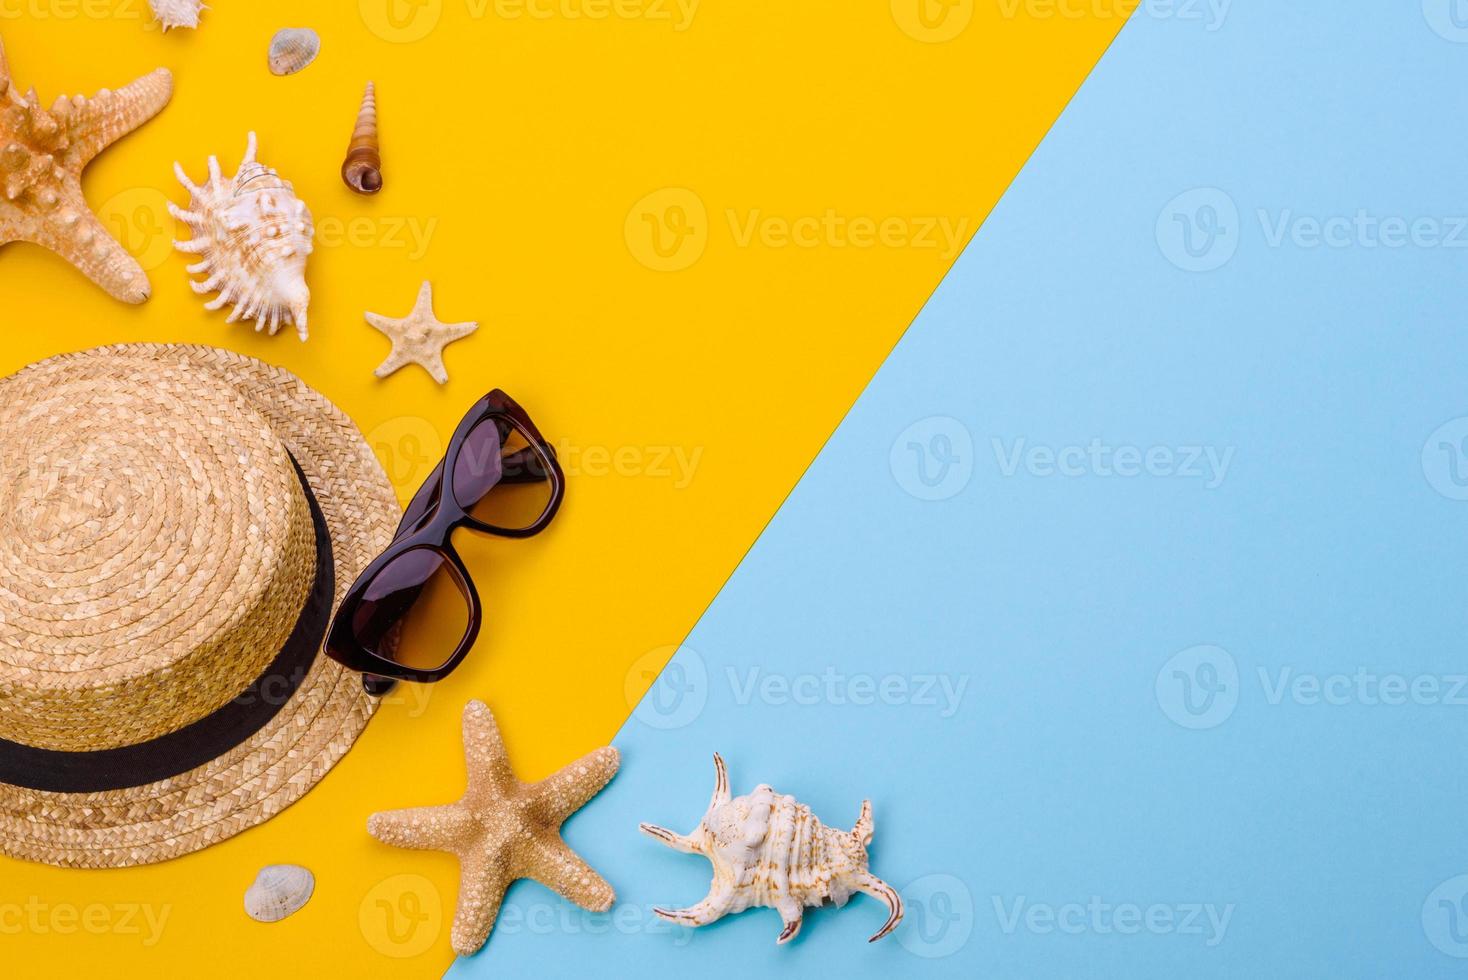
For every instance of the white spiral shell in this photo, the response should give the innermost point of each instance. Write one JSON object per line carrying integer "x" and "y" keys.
{"x": 769, "y": 850}
{"x": 252, "y": 235}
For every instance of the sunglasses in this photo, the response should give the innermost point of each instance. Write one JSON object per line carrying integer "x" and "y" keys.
{"x": 414, "y": 613}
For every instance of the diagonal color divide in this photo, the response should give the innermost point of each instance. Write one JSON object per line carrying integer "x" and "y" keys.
{"x": 691, "y": 233}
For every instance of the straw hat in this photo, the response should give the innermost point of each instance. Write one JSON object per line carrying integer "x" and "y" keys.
{"x": 176, "y": 525}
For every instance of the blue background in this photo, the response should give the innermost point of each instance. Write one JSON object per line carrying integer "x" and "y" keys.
{"x": 1077, "y": 764}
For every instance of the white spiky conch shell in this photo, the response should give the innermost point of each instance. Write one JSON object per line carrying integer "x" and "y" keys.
{"x": 252, "y": 236}
{"x": 771, "y": 851}
{"x": 177, "y": 13}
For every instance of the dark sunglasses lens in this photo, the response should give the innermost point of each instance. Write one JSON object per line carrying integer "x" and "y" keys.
{"x": 414, "y": 612}
{"x": 500, "y": 478}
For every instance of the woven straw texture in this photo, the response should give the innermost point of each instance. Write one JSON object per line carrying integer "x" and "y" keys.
{"x": 152, "y": 520}
{"x": 156, "y": 548}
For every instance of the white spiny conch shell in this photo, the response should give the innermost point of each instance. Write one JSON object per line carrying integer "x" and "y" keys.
{"x": 293, "y": 49}
{"x": 177, "y": 13}
{"x": 279, "y": 890}
{"x": 770, "y": 851}
{"x": 252, "y": 236}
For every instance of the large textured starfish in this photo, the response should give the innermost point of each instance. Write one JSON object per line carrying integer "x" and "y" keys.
{"x": 419, "y": 337}
{"x": 503, "y": 829}
{"x": 42, "y": 155}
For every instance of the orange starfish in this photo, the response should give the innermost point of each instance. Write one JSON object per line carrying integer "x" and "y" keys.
{"x": 42, "y": 155}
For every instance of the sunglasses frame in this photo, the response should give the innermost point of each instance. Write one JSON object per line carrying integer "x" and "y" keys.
{"x": 428, "y": 523}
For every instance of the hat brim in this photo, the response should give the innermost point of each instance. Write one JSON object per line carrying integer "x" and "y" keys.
{"x": 276, "y": 766}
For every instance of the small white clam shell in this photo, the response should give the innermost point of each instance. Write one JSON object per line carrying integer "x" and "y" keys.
{"x": 279, "y": 890}
{"x": 293, "y": 49}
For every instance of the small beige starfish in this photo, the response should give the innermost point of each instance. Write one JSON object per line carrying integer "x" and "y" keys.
{"x": 42, "y": 155}
{"x": 419, "y": 337}
{"x": 503, "y": 829}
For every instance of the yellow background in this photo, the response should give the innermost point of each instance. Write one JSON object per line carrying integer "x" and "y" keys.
{"x": 529, "y": 160}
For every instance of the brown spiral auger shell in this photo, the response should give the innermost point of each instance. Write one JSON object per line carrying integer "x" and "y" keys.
{"x": 362, "y": 169}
